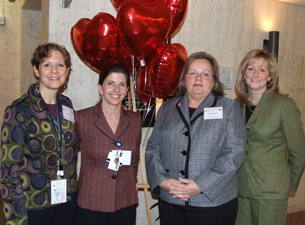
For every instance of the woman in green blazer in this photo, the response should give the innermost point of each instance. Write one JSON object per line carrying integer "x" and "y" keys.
{"x": 273, "y": 127}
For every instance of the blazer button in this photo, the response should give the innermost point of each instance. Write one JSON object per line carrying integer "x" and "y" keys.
{"x": 182, "y": 172}
{"x": 113, "y": 176}
{"x": 186, "y": 133}
{"x": 184, "y": 152}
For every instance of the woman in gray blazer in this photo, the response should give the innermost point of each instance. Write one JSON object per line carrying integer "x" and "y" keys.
{"x": 196, "y": 149}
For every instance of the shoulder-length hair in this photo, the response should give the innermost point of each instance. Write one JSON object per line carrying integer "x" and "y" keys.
{"x": 218, "y": 86}
{"x": 241, "y": 88}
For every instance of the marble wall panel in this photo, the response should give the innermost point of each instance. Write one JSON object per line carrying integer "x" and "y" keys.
{"x": 30, "y": 39}
{"x": 9, "y": 54}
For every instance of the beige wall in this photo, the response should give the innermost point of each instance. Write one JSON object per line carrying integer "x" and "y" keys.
{"x": 228, "y": 29}
{"x": 18, "y": 37}
{"x": 9, "y": 54}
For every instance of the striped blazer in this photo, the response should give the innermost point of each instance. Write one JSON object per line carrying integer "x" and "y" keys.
{"x": 101, "y": 189}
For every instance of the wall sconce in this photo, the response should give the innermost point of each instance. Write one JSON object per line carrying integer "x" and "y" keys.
{"x": 66, "y": 3}
{"x": 272, "y": 45}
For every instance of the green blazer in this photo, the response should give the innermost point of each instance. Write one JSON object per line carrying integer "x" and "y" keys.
{"x": 274, "y": 126}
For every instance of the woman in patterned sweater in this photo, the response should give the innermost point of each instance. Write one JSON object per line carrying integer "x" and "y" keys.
{"x": 38, "y": 146}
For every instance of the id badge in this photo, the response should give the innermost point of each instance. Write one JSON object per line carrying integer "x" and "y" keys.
{"x": 114, "y": 161}
{"x": 68, "y": 113}
{"x": 58, "y": 191}
{"x": 213, "y": 113}
{"x": 125, "y": 157}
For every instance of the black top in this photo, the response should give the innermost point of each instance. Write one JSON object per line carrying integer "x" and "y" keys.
{"x": 249, "y": 111}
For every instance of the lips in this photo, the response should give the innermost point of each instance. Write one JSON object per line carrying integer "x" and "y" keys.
{"x": 115, "y": 96}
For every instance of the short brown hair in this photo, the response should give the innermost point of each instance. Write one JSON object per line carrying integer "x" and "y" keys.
{"x": 43, "y": 51}
{"x": 218, "y": 86}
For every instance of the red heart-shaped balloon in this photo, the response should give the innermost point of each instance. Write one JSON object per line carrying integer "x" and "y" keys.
{"x": 96, "y": 41}
{"x": 143, "y": 28}
{"x": 178, "y": 9}
{"x": 143, "y": 88}
{"x": 117, "y": 3}
{"x": 165, "y": 67}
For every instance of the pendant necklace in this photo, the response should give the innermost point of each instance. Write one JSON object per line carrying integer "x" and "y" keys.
{"x": 249, "y": 107}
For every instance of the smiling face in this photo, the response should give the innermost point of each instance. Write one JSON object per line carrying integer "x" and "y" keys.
{"x": 198, "y": 87}
{"x": 52, "y": 72}
{"x": 257, "y": 75}
{"x": 114, "y": 89}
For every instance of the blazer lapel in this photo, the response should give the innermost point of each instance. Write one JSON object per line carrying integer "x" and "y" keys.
{"x": 103, "y": 126}
{"x": 262, "y": 107}
{"x": 207, "y": 102}
{"x": 182, "y": 107}
{"x": 123, "y": 124}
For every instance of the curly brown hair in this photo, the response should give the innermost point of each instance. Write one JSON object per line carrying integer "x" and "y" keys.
{"x": 43, "y": 51}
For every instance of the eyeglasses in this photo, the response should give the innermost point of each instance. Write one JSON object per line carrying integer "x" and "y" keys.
{"x": 194, "y": 74}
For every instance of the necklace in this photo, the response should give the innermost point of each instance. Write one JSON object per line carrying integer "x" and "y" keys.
{"x": 250, "y": 108}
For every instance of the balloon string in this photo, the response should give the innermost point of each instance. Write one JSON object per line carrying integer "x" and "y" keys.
{"x": 147, "y": 108}
{"x": 145, "y": 78}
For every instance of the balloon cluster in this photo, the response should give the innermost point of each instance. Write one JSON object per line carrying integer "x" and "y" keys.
{"x": 139, "y": 32}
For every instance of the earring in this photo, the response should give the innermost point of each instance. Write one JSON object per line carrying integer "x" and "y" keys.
{"x": 65, "y": 85}
{"x": 268, "y": 83}
{"x": 37, "y": 80}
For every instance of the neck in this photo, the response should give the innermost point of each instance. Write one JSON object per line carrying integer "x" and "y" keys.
{"x": 49, "y": 98}
{"x": 255, "y": 96}
{"x": 194, "y": 102}
{"x": 111, "y": 111}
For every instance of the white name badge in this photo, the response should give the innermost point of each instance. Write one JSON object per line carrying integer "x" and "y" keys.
{"x": 114, "y": 161}
{"x": 117, "y": 158}
{"x": 125, "y": 157}
{"x": 213, "y": 113}
{"x": 58, "y": 191}
{"x": 68, "y": 113}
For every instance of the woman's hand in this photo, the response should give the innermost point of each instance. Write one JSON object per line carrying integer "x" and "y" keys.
{"x": 182, "y": 188}
{"x": 174, "y": 188}
{"x": 190, "y": 187}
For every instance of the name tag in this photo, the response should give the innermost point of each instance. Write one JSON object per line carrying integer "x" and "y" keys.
{"x": 117, "y": 158}
{"x": 68, "y": 113}
{"x": 213, "y": 113}
{"x": 58, "y": 191}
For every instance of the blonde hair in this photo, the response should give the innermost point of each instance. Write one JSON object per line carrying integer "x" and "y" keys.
{"x": 241, "y": 88}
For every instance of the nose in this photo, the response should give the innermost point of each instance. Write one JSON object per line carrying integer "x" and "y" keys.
{"x": 54, "y": 68}
{"x": 255, "y": 72}
{"x": 116, "y": 88}
{"x": 198, "y": 77}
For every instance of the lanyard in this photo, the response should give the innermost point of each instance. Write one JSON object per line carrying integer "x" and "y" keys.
{"x": 59, "y": 137}
{"x": 58, "y": 133}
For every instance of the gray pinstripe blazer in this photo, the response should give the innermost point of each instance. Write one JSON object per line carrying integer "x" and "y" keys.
{"x": 208, "y": 151}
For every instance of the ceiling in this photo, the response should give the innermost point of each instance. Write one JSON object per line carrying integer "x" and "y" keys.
{"x": 296, "y": 2}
